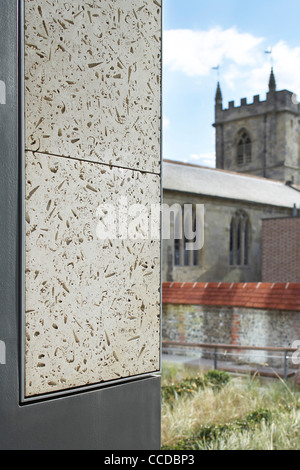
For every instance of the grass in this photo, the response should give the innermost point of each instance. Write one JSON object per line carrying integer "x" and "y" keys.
{"x": 215, "y": 412}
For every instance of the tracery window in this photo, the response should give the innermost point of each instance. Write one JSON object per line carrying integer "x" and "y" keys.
{"x": 183, "y": 256}
{"x": 244, "y": 148}
{"x": 240, "y": 240}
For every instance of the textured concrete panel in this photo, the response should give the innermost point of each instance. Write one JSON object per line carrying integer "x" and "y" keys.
{"x": 92, "y": 306}
{"x": 92, "y": 80}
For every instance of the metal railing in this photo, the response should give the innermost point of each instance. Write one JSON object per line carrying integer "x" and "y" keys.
{"x": 285, "y": 352}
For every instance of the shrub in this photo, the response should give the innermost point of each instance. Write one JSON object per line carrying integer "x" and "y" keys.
{"x": 204, "y": 435}
{"x": 215, "y": 379}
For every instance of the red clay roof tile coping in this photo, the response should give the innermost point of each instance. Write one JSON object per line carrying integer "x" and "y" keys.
{"x": 265, "y": 296}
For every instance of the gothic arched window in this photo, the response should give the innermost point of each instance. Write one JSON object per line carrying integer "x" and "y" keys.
{"x": 182, "y": 255}
{"x": 240, "y": 239}
{"x": 244, "y": 148}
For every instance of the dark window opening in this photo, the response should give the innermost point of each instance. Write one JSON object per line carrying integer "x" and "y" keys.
{"x": 182, "y": 255}
{"x": 244, "y": 149}
{"x": 177, "y": 253}
{"x": 240, "y": 238}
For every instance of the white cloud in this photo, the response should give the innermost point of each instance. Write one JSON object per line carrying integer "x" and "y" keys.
{"x": 204, "y": 159}
{"x": 241, "y": 56}
{"x": 196, "y": 52}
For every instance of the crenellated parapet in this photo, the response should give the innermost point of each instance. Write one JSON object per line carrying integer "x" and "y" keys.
{"x": 280, "y": 101}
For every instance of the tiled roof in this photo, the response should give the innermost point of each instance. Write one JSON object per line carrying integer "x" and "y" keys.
{"x": 215, "y": 183}
{"x": 252, "y": 295}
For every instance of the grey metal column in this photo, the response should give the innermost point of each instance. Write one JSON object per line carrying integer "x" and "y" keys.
{"x": 122, "y": 417}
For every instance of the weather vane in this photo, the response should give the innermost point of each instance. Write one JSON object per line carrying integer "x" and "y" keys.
{"x": 270, "y": 52}
{"x": 218, "y": 70}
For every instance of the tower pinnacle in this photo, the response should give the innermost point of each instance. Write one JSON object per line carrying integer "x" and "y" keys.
{"x": 272, "y": 82}
{"x": 219, "y": 98}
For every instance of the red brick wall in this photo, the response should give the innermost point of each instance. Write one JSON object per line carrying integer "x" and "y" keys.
{"x": 281, "y": 250}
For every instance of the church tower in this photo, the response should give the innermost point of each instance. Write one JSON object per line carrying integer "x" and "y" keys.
{"x": 260, "y": 138}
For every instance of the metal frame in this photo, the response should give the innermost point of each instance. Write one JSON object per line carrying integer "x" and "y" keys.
{"x": 97, "y": 386}
{"x": 21, "y": 40}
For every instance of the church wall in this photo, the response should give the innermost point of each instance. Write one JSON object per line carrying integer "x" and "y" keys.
{"x": 273, "y": 126}
{"x": 214, "y": 265}
{"x": 282, "y": 135}
{"x": 220, "y": 163}
{"x": 292, "y": 130}
{"x": 255, "y": 128}
{"x": 277, "y": 138}
{"x": 283, "y": 148}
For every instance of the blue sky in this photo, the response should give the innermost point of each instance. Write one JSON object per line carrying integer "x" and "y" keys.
{"x": 201, "y": 34}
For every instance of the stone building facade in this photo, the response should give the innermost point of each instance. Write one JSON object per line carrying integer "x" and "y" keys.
{"x": 234, "y": 206}
{"x": 260, "y": 138}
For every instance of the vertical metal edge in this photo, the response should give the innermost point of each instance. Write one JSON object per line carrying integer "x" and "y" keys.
{"x": 161, "y": 212}
{"x": 161, "y": 189}
{"x": 21, "y": 234}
